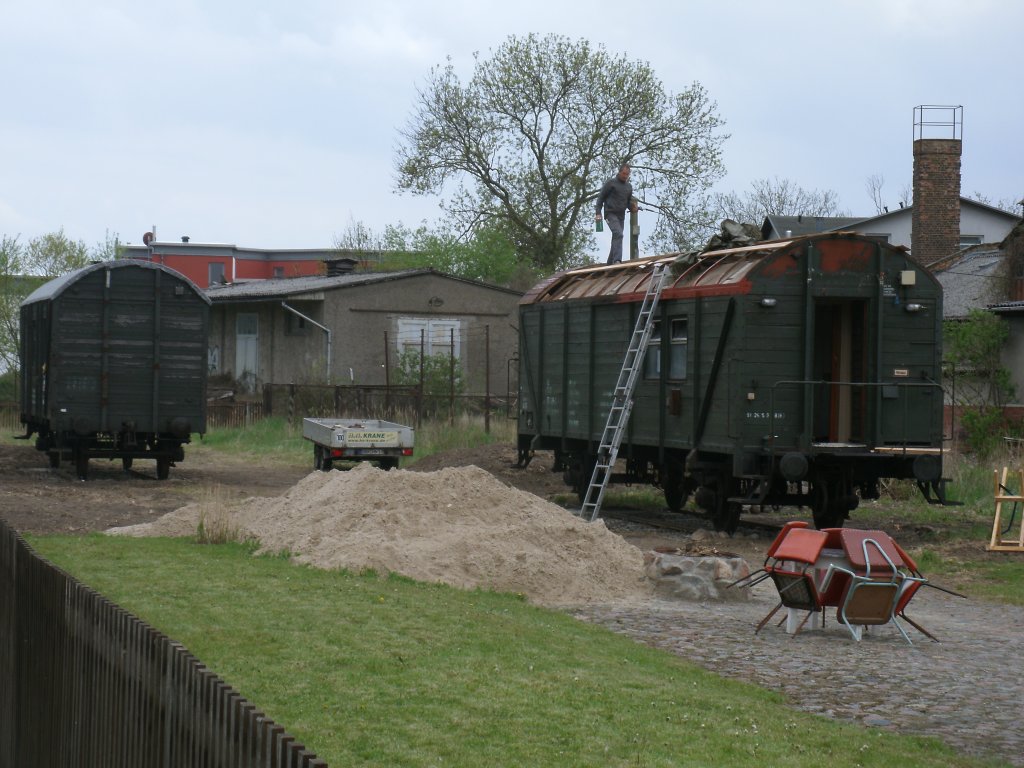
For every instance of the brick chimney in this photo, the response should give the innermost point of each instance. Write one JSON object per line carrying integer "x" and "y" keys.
{"x": 935, "y": 222}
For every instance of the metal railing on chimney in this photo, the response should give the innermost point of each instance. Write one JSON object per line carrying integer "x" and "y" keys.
{"x": 939, "y": 121}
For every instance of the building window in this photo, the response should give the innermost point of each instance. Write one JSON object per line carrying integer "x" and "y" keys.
{"x": 437, "y": 336}
{"x": 295, "y": 325}
{"x": 967, "y": 241}
{"x": 278, "y": 271}
{"x": 216, "y": 273}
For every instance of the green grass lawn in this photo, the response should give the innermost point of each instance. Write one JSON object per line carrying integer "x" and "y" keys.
{"x": 390, "y": 672}
{"x": 276, "y": 440}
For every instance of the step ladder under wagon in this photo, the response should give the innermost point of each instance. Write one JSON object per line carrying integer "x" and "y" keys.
{"x": 622, "y": 397}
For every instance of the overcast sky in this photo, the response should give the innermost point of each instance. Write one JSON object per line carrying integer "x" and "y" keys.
{"x": 274, "y": 124}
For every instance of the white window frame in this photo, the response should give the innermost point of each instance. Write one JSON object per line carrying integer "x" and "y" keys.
{"x": 437, "y": 335}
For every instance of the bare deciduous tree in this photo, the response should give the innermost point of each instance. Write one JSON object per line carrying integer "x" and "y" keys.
{"x": 776, "y": 197}
{"x": 873, "y": 184}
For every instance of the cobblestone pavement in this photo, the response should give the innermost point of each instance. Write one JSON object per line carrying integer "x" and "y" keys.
{"x": 967, "y": 689}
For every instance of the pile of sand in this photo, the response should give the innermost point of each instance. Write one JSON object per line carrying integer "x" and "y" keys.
{"x": 460, "y": 526}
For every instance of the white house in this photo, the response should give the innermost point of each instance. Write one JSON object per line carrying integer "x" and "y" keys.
{"x": 979, "y": 223}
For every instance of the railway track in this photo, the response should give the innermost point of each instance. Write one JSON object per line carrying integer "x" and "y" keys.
{"x": 686, "y": 521}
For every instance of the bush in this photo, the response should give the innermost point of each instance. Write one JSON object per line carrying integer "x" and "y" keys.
{"x": 441, "y": 375}
{"x": 983, "y": 428}
{"x": 8, "y": 386}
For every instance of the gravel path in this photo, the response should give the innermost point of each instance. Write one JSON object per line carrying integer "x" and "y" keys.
{"x": 967, "y": 689}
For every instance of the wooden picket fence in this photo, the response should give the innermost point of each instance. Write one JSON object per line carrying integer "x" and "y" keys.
{"x": 84, "y": 683}
{"x": 10, "y": 418}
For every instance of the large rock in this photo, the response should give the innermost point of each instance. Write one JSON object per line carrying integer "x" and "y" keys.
{"x": 696, "y": 577}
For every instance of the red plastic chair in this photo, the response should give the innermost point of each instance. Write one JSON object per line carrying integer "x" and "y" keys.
{"x": 789, "y": 565}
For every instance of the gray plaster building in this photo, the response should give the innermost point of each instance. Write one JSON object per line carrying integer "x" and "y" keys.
{"x": 351, "y": 328}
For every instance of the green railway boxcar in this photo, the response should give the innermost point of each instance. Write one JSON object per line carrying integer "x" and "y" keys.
{"x": 114, "y": 364}
{"x": 790, "y": 372}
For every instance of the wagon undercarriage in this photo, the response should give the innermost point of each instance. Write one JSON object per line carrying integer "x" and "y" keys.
{"x": 830, "y": 485}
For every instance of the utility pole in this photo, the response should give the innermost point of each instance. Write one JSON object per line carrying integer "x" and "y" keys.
{"x": 634, "y": 234}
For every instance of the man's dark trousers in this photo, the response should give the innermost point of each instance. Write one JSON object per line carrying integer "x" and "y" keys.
{"x": 616, "y": 223}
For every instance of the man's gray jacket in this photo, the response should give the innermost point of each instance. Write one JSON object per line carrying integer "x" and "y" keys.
{"x": 615, "y": 196}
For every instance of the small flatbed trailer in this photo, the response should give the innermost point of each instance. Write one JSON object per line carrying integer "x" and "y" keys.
{"x": 336, "y": 439}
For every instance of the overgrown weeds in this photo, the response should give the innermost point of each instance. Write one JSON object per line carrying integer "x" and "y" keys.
{"x": 216, "y": 525}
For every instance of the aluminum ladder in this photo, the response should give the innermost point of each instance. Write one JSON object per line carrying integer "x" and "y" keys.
{"x": 622, "y": 397}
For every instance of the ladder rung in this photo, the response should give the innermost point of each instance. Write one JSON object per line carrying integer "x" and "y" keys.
{"x": 622, "y": 404}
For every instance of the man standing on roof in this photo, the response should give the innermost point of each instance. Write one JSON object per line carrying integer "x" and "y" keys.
{"x": 615, "y": 196}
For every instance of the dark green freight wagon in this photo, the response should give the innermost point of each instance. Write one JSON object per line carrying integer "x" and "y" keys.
{"x": 114, "y": 364}
{"x": 795, "y": 372}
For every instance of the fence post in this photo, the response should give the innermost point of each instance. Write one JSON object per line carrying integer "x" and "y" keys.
{"x": 291, "y": 403}
{"x": 268, "y": 400}
{"x": 419, "y": 396}
{"x": 487, "y": 379}
{"x": 451, "y": 377}
{"x": 387, "y": 376}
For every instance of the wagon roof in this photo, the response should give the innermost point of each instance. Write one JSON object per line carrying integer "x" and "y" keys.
{"x": 53, "y": 288}
{"x": 694, "y": 269}
{"x": 689, "y": 269}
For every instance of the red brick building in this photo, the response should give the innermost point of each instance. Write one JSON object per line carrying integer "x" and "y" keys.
{"x": 208, "y": 264}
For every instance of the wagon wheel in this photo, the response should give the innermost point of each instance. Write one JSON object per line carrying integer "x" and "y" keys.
{"x": 714, "y": 499}
{"x": 584, "y": 466}
{"x": 726, "y": 514}
{"x": 163, "y": 467}
{"x": 81, "y": 463}
{"x": 672, "y": 482}
{"x": 828, "y": 512}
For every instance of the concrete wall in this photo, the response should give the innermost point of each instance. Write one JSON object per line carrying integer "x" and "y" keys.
{"x": 365, "y": 318}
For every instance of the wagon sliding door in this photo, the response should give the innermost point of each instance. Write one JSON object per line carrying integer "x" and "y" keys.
{"x": 840, "y": 330}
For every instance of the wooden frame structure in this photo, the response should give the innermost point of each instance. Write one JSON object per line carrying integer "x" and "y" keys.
{"x": 1002, "y": 494}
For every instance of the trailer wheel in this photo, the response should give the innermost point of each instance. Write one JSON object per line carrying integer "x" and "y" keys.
{"x": 318, "y": 458}
{"x": 163, "y": 467}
